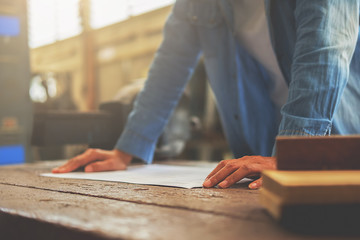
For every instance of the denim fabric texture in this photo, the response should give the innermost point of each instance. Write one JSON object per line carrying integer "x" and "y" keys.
{"x": 314, "y": 42}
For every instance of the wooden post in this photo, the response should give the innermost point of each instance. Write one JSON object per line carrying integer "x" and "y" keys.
{"x": 88, "y": 53}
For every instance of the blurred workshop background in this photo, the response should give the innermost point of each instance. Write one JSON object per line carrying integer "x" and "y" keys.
{"x": 69, "y": 72}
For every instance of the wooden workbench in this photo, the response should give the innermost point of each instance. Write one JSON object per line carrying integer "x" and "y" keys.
{"x": 35, "y": 207}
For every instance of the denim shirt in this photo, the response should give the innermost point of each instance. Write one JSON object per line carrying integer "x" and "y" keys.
{"x": 241, "y": 85}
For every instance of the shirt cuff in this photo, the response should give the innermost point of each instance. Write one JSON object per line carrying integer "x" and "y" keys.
{"x": 299, "y": 126}
{"x": 294, "y": 125}
{"x": 135, "y": 144}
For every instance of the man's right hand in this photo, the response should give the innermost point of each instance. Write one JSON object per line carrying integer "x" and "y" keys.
{"x": 97, "y": 160}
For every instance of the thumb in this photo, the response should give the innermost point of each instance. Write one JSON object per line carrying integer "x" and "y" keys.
{"x": 256, "y": 184}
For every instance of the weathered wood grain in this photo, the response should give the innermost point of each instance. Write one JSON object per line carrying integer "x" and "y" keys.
{"x": 35, "y": 207}
{"x": 111, "y": 219}
{"x": 237, "y": 202}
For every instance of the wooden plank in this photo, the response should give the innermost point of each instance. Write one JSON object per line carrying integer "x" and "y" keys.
{"x": 43, "y": 214}
{"x": 314, "y": 201}
{"x": 113, "y": 219}
{"x": 318, "y": 152}
{"x": 45, "y": 208}
{"x": 237, "y": 202}
{"x": 314, "y": 187}
{"x": 329, "y": 219}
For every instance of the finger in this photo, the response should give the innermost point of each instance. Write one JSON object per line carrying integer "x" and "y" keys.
{"x": 106, "y": 165}
{"x": 216, "y": 169}
{"x": 256, "y": 184}
{"x": 74, "y": 163}
{"x": 233, "y": 178}
{"x": 88, "y": 156}
{"x": 220, "y": 175}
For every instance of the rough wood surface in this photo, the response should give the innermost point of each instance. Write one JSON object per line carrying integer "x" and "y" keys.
{"x": 41, "y": 207}
{"x": 219, "y": 201}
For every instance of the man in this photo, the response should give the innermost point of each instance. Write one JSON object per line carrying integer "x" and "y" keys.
{"x": 314, "y": 43}
{"x": 317, "y": 46}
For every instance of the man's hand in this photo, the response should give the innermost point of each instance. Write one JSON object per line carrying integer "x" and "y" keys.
{"x": 97, "y": 160}
{"x": 228, "y": 172}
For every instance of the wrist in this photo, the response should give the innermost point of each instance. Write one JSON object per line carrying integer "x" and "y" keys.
{"x": 125, "y": 157}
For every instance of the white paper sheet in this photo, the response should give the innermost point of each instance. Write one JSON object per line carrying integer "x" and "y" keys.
{"x": 153, "y": 174}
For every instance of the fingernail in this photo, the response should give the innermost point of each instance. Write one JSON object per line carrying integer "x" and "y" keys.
{"x": 253, "y": 185}
{"x": 207, "y": 183}
{"x": 223, "y": 184}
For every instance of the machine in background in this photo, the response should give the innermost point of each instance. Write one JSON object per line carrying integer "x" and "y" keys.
{"x": 15, "y": 104}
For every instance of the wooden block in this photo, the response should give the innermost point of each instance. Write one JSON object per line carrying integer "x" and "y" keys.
{"x": 318, "y": 153}
{"x": 328, "y": 219}
{"x": 313, "y": 201}
{"x": 314, "y": 187}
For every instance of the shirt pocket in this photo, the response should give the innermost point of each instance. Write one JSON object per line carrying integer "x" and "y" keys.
{"x": 205, "y": 13}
